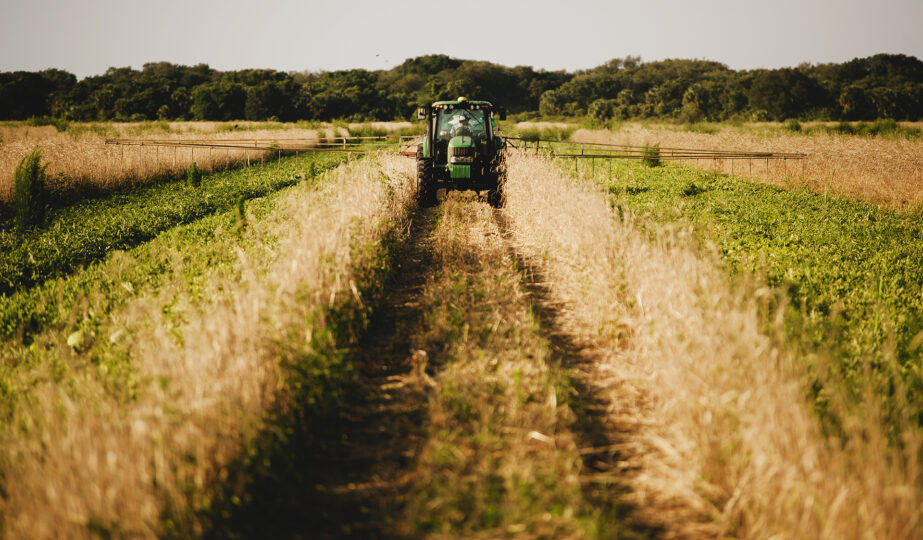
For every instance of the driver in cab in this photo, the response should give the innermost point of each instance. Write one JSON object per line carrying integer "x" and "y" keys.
{"x": 461, "y": 129}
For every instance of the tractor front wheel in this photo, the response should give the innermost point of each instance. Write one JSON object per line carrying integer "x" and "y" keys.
{"x": 426, "y": 183}
{"x": 495, "y": 198}
{"x": 495, "y": 195}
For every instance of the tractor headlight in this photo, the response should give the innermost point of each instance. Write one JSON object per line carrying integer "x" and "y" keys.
{"x": 461, "y": 159}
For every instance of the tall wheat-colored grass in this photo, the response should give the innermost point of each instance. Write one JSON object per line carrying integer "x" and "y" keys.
{"x": 204, "y": 387}
{"x": 79, "y": 158}
{"x": 718, "y": 439}
{"x": 390, "y": 127}
{"x": 887, "y": 172}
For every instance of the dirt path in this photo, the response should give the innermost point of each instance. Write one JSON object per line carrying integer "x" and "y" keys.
{"x": 367, "y": 472}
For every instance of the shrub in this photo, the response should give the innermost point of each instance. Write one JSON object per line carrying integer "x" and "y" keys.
{"x": 414, "y": 129}
{"x": 844, "y": 128}
{"x": 29, "y": 191}
{"x": 307, "y": 124}
{"x": 759, "y": 115}
{"x": 367, "y": 130}
{"x": 241, "y": 213}
{"x": 792, "y": 125}
{"x": 194, "y": 175}
{"x": 652, "y": 155}
{"x": 884, "y": 126}
{"x": 59, "y": 123}
{"x": 530, "y": 134}
{"x": 702, "y": 127}
{"x": 552, "y": 133}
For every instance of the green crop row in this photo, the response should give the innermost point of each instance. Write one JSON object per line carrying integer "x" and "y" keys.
{"x": 74, "y": 311}
{"x": 850, "y": 270}
{"x": 86, "y": 231}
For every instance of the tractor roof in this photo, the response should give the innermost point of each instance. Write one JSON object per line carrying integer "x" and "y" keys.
{"x": 461, "y": 101}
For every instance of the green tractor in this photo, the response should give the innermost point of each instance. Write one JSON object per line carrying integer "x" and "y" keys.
{"x": 461, "y": 150}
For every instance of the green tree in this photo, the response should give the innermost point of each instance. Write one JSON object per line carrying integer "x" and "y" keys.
{"x": 220, "y": 100}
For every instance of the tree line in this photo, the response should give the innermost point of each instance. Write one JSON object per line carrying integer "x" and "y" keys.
{"x": 880, "y": 86}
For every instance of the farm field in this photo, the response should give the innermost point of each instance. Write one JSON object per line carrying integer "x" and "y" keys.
{"x": 295, "y": 347}
{"x": 884, "y": 170}
{"x": 849, "y": 269}
{"x": 80, "y": 162}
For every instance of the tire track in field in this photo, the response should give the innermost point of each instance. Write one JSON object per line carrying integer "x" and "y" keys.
{"x": 347, "y": 475}
{"x": 604, "y": 442}
{"x": 369, "y": 468}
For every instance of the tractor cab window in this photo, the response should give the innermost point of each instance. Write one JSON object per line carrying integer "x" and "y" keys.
{"x": 457, "y": 122}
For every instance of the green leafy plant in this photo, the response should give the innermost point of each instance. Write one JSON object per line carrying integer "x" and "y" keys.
{"x": 194, "y": 176}
{"x": 692, "y": 190}
{"x": 241, "y": 213}
{"x": 59, "y": 123}
{"x": 30, "y": 195}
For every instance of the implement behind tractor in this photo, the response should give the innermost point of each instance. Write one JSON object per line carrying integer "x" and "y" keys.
{"x": 461, "y": 150}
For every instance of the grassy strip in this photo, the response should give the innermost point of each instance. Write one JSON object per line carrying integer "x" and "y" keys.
{"x": 500, "y": 458}
{"x": 883, "y": 127}
{"x": 256, "y": 337}
{"x": 88, "y": 230}
{"x": 850, "y": 269}
{"x": 85, "y": 306}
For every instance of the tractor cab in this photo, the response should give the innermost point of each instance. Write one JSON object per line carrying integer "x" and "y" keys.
{"x": 462, "y": 122}
{"x": 461, "y": 149}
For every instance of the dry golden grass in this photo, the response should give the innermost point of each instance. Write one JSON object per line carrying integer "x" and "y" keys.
{"x": 390, "y": 127}
{"x": 80, "y": 158}
{"x": 718, "y": 439}
{"x": 887, "y": 172}
{"x": 202, "y": 397}
{"x": 543, "y": 125}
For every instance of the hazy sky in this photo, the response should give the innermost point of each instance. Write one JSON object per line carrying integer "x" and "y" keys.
{"x": 86, "y": 37}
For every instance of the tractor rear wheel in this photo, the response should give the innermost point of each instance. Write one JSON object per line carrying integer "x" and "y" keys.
{"x": 426, "y": 183}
